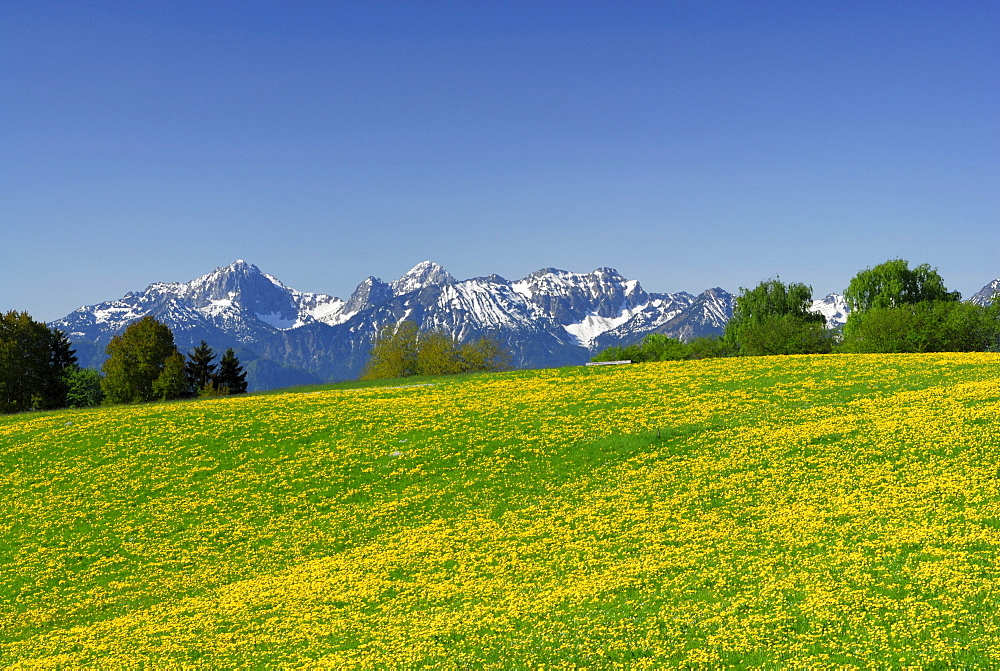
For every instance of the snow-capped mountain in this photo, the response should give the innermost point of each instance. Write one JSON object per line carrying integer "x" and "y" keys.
{"x": 426, "y": 273}
{"x": 551, "y": 317}
{"x": 985, "y": 295}
{"x": 834, "y": 308}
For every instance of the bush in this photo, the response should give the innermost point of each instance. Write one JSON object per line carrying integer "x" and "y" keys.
{"x": 83, "y": 388}
{"x": 401, "y": 351}
{"x": 785, "y": 334}
{"x": 931, "y": 326}
{"x": 709, "y": 347}
{"x": 660, "y": 347}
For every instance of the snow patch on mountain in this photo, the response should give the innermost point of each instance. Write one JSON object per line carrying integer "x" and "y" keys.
{"x": 833, "y": 307}
{"x": 985, "y": 295}
{"x": 592, "y": 326}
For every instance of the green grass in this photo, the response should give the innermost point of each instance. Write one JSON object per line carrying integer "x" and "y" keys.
{"x": 774, "y": 511}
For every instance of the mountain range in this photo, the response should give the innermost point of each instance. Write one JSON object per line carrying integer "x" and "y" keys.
{"x": 285, "y": 337}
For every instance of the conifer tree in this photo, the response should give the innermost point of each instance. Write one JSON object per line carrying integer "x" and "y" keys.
{"x": 83, "y": 388}
{"x": 231, "y": 379}
{"x": 200, "y": 369}
{"x": 62, "y": 364}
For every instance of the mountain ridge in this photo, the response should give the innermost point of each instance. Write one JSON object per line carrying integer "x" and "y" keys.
{"x": 551, "y": 317}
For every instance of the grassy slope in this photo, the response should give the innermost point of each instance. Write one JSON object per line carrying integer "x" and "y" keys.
{"x": 836, "y": 509}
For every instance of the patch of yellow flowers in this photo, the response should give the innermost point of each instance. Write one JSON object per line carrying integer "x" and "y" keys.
{"x": 816, "y": 511}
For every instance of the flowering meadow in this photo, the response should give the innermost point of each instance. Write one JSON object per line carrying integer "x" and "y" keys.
{"x": 814, "y": 510}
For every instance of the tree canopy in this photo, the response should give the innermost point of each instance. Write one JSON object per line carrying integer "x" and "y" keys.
{"x": 774, "y": 318}
{"x": 231, "y": 379}
{"x": 136, "y": 358}
{"x": 895, "y": 308}
{"x": 401, "y": 350}
{"x": 894, "y": 283}
{"x": 34, "y": 364}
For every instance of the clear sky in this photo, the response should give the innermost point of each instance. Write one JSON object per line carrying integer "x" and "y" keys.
{"x": 687, "y": 144}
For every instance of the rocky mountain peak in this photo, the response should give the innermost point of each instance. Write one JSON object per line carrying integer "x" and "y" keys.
{"x": 985, "y": 295}
{"x": 372, "y": 292}
{"x": 425, "y": 273}
{"x": 240, "y": 283}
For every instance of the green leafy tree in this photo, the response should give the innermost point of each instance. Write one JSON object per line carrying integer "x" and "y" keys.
{"x": 200, "y": 369}
{"x": 785, "y": 334}
{"x": 231, "y": 379}
{"x": 136, "y": 359}
{"x": 661, "y": 347}
{"x": 774, "y": 318}
{"x": 485, "y": 355}
{"x": 402, "y": 350}
{"x": 894, "y": 283}
{"x": 393, "y": 353}
{"x": 172, "y": 382}
{"x": 930, "y": 326}
{"x": 29, "y": 376}
{"x": 438, "y": 354}
{"x": 83, "y": 388}
{"x": 895, "y": 308}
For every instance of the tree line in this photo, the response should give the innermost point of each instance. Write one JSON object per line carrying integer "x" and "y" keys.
{"x": 144, "y": 365}
{"x": 39, "y": 368}
{"x": 893, "y": 309}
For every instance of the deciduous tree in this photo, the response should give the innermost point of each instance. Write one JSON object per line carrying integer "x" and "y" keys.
{"x": 136, "y": 359}
{"x": 894, "y": 283}
{"x": 402, "y": 350}
{"x": 29, "y": 377}
{"x": 172, "y": 382}
{"x": 774, "y": 318}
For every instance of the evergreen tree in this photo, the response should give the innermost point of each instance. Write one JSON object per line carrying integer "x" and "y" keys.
{"x": 136, "y": 359}
{"x": 200, "y": 369}
{"x": 231, "y": 379}
{"x": 62, "y": 363}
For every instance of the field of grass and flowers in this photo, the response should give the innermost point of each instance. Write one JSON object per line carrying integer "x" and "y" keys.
{"x": 815, "y": 510}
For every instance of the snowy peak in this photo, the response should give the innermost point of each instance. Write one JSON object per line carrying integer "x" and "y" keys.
{"x": 239, "y": 282}
{"x": 985, "y": 295}
{"x": 424, "y": 274}
{"x": 833, "y": 307}
{"x": 570, "y": 298}
{"x": 371, "y": 293}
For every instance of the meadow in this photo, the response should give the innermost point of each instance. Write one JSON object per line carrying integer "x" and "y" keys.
{"x": 803, "y": 510}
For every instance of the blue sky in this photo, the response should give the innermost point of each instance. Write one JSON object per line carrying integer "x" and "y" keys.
{"x": 687, "y": 144}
